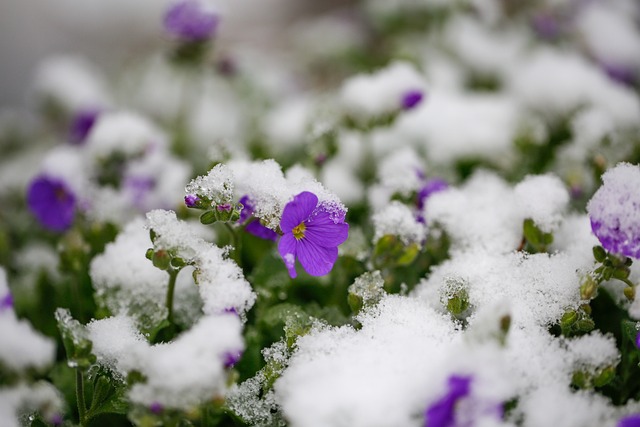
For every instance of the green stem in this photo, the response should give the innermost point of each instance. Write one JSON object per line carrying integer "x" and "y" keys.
{"x": 173, "y": 274}
{"x": 236, "y": 242}
{"x": 82, "y": 407}
{"x": 628, "y": 282}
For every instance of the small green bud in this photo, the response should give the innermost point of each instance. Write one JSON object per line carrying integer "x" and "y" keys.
{"x": 621, "y": 273}
{"x": 588, "y": 288}
{"x": 599, "y": 254}
{"x": 585, "y": 325}
{"x": 630, "y": 293}
{"x": 149, "y": 254}
{"x": 605, "y": 377}
{"x": 177, "y": 262}
{"x": 161, "y": 259}
{"x": 568, "y": 319}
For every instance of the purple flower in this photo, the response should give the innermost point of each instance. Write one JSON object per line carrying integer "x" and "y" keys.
{"x": 230, "y": 358}
{"x": 191, "y": 200}
{"x": 56, "y": 420}
{"x": 638, "y": 340}
{"x": 190, "y": 20}
{"x": 614, "y": 211}
{"x": 52, "y": 202}
{"x": 139, "y": 188}
{"x": 430, "y": 187}
{"x": 630, "y": 421}
{"x": 619, "y": 73}
{"x": 411, "y": 98}
{"x": 6, "y": 302}
{"x": 81, "y": 124}
{"x": 311, "y": 234}
{"x": 156, "y": 408}
{"x": 224, "y": 207}
{"x": 442, "y": 412}
{"x": 254, "y": 226}
{"x": 546, "y": 26}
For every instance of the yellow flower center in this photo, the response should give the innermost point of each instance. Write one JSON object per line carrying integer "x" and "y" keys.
{"x": 298, "y": 231}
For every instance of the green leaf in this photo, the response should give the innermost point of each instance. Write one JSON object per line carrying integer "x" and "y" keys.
{"x": 208, "y": 217}
{"x": 75, "y": 339}
{"x": 599, "y": 254}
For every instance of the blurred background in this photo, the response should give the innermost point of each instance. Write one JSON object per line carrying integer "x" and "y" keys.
{"x": 109, "y": 32}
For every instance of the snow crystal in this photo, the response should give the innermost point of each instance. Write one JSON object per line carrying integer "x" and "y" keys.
{"x": 221, "y": 282}
{"x": 190, "y": 369}
{"x": 340, "y": 376}
{"x": 126, "y": 282}
{"x": 543, "y": 198}
{"x": 398, "y": 220}
{"x": 117, "y": 343}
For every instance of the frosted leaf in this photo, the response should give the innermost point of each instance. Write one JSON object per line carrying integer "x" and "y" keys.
{"x": 117, "y": 343}
{"x": 217, "y": 186}
{"x": 221, "y": 282}
{"x": 189, "y": 370}
{"x": 398, "y": 220}
{"x": 542, "y": 198}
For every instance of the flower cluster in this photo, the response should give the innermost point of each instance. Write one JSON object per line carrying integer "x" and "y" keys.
{"x": 412, "y": 213}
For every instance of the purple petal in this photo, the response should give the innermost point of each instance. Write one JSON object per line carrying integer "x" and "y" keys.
{"x": 442, "y": 412}
{"x": 247, "y": 210}
{"x": 6, "y": 302}
{"x": 82, "y": 123}
{"x": 52, "y": 203}
{"x": 411, "y": 99}
{"x": 315, "y": 259}
{"x": 190, "y": 20}
{"x": 259, "y": 230}
{"x": 322, "y": 231}
{"x": 630, "y": 421}
{"x": 298, "y": 210}
{"x": 287, "y": 247}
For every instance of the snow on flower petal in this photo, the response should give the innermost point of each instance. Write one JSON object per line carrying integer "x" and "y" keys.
{"x": 311, "y": 234}
{"x": 614, "y": 211}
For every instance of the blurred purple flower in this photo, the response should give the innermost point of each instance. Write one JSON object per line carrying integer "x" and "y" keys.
{"x": 442, "y": 412}
{"x": 311, "y": 234}
{"x": 619, "y": 73}
{"x": 52, "y": 202}
{"x": 156, "y": 408}
{"x": 411, "y": 99}
{"x": 546, "y": 26}
{"x": 81, "y": 124}
{"x": 432, "y": 186}
{"x": 614, "y": 211}
{"x": 190, "y": 20}
{"x": 230, "y": 358}
{"x": 638, "y": 340}
{"x": 630, "y": 421}
{"x": 139, "y": 187}
{"x": 6, "y": 302}
{"x": 254, "y": 226}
